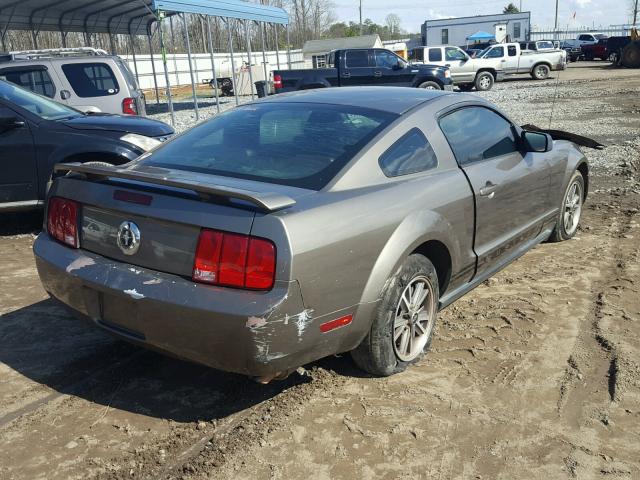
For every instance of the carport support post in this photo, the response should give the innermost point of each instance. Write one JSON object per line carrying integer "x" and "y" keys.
{"x": 246, "y": 34}
{"x": 277, "y": 48}
{"x": 193, "y": 85}
{"x": 233, "y": 65}
{"x": 163, "y": 50}
{"x": 264, "y": 55}
{"x": 213, "y": 64}
{"x": 288, "y": 49}
{"x": 135, "y": 62}
{"x": 153, "y": 69}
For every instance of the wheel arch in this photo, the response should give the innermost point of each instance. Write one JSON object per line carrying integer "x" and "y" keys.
{"x": 583, "y": 168}
{"x": 428, "y": 78}
{"x": 546, "y": 63}
{"x": 424, "y": 232}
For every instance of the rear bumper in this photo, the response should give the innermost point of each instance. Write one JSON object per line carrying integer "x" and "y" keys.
{"x": 252, "y": 333}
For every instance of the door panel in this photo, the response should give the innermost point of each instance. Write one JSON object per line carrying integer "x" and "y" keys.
{"x": 511, "y": 188}
{"x": 358, "y": 68}
{"x": 387, "y": 72}
{"x": 18, "y": 175}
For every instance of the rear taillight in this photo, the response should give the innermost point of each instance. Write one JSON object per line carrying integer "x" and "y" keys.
{"x": 234, "y": 260}
{"x": 129, "y": 106}
{"x": 62, "y": 220}
{"x": 277, "y": 82}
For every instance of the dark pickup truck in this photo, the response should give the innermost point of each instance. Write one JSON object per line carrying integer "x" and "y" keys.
{"x": 362, "y": 66}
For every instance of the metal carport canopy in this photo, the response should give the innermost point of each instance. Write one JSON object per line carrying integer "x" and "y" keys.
{"x": 121, "y": 16}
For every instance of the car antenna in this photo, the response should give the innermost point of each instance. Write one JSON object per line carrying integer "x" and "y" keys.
{"x": 555, "y": 93}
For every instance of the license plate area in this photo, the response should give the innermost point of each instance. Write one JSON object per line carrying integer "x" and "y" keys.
{"x": 120, "y": 315}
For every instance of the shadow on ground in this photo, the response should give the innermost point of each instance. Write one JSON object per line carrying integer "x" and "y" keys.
{"x": 20, "y": 223}
{"x": 48, "y": 345}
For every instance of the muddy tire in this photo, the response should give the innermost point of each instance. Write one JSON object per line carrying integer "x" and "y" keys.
{"x": 484, "y": 81}
{"x": 430, "y": 86}
{"x": 404, "y": 321}
{"x": 540, "y": 72}
{"x": 570, "y": 210}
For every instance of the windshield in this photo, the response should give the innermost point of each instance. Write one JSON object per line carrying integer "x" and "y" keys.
{"x": 36, "y": 104}
{"x": 299, "y": 144}
{"x": 483, "y": 52}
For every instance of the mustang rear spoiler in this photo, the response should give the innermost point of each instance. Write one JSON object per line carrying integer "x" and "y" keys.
{"x": 266, "y": 201}
{"x": 562, "y": 135}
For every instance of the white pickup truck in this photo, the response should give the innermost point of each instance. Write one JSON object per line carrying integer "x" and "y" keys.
{"x": 466, "y": 72}
{"x": 511, "y": 59}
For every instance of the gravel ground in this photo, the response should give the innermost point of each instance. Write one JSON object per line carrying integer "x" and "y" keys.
{"x": 534, "y": 374}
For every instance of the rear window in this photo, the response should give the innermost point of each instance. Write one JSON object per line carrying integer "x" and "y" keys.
{"x": 357, "y": 59}
{"x": 91, "y": 79}
{"x": 299, "y": 144}
{"x": 35, "y": 79}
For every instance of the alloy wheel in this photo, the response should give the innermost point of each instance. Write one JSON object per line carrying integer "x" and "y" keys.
{"x": 572, "y": 208}
{"x": 414, "y": 319}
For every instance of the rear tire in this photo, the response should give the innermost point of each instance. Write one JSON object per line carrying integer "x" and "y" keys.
{"x": 467, "y": 87}
{"x": 570, "y": 210}
{"x": 430, "y": 86}
{"x": 484, "y": 81}
{"x": 540, "y": 72}
{"x": 404, "y": 321}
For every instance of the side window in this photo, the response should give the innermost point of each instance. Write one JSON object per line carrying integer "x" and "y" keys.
{"x": 511, "y": 50}
{"x": 435, "y": 55}
{"x": 496, "y": 52}
{"x": 91, "y": 79}
{"x": 412, "y": 153}
{"x": 357, "y": 58}
{"x": 331, "y": 60}
{"x": 36, "y": 79}
{"x": 453, "y": 54}
{"x": 385, "y": 59}
{"x": 477, "y": 133}
{"x": 584, "y": 37}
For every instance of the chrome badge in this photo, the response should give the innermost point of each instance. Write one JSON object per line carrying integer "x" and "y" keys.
{"x": 128, "y": 238}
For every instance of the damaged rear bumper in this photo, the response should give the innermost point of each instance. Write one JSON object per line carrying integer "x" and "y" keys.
{"x": 247, "y": 332}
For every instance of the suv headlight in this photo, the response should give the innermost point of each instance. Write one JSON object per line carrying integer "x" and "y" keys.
{"x": 447, "y": 73}
{"x": 140, "y": 141}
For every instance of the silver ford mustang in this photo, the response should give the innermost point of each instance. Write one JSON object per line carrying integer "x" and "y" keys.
{"x": 307, "y": 224}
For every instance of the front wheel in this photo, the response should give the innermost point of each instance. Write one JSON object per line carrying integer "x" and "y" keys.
{"x": 613, "y": 57}
{"x": 404, "y": 321}
{"x": 484, "y": 81}
{"x": 540, "y": 72}
{"x": 430, "y": 86}
{"x": 570, "y": 210}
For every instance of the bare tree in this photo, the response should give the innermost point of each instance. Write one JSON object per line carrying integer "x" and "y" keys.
{"x": 392, "y": 22}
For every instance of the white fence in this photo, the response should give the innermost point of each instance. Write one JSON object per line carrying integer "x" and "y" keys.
{"x": 178, "y": 66}
{"x": 566, "y": 33}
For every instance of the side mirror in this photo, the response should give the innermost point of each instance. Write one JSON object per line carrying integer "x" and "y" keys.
{"x": 537, "y": 141}
{"x": 10, "y": 122}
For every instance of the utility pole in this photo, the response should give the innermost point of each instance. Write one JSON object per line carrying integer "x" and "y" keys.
{"x": 361, "y": 17}
{"x": 635, "y": 14}
{"x": 555, "y": 30}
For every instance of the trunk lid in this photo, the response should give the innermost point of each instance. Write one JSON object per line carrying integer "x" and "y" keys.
{"x": 168, "y": 218}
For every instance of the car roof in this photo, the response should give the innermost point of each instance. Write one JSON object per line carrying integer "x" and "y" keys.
{"x": 396, "y": 100}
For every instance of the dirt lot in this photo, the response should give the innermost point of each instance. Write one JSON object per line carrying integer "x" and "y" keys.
{"x": 535, "y": 374}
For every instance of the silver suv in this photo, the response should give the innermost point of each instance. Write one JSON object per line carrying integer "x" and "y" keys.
{"x": 87, "y": 79}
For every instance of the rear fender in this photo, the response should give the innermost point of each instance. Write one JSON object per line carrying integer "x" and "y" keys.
{"x": 416, "y": 229}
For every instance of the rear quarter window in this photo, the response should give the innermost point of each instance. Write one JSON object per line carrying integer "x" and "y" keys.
{"x": 412, "y": 153}
{"x": 91, "y": 79}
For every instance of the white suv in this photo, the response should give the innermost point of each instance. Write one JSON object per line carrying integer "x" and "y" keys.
{"x": 87, "y": 79}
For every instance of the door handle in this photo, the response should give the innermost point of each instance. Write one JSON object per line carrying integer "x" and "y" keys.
{"x": 489, "y": 189}
{"x": 377, "y": 74}
{"x": 65, "y": 94}
{"x": 346, "y": 75}
{"x": 447, "y": 65}
{"x": 503, "y": 60}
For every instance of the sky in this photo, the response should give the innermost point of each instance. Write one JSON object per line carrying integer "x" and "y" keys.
{"x": 414, "y": 12}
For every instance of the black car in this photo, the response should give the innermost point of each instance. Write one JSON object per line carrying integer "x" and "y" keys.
{"x": 36, "y": 133}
